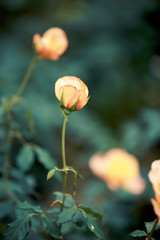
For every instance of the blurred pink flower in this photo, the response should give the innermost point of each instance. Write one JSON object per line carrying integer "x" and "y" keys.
{"x": 154, "y": 177}
{"x": 118, "y": 169}
{"x": 71, "y": 90}
{"x": 52, "y": 44}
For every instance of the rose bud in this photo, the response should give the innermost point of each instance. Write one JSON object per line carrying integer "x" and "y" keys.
{"x": 52, "y": 44}
{"x": 119, "y": 169}
{"x": 72, "y": 93}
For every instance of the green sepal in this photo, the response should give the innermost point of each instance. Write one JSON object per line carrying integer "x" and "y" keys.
{"x": 62, "y": 99}
{"x": 66, "y": 112}
{"x": 74, "y": 106}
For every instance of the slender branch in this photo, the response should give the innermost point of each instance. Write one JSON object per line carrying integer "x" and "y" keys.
{"x": 27, "y": 75}
{"x": 153, "y": 228}
{"x": 64, "y": 160}
{"x": 52, "y": 205}
{"x": 7, "y": 168}
{"x": 64, "y": 164}
{"x": 7, "y": 160}
{"x": 63, "y": 143}
{"x": 64, "y": 189}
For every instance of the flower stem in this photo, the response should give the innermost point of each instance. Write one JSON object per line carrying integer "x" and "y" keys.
{"x": 64, "y": 161}
{"x": 7, "y": 161}
{"x": 7, "y": 169}
{"x": 154, "y": 226}
{"x": 27, "y": 75}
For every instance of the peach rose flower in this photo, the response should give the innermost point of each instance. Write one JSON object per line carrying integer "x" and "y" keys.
{"x": 52, "y": 44}
{"x": 118, "y": 169}
{"x": 154, "y": 177}
{"x": 72, "y": 92}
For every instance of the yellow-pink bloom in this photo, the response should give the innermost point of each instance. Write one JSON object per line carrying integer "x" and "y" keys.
{"x": 52, "y": 44}
{"x": 154, "y": 177}
{"x": 71, "y": 91}
{"x": 118, "y": 169}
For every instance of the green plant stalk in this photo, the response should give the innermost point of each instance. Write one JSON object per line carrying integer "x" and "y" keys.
{"x": 7, "y": 168}
{"x": 153, "y": 228}
{"x": 27, "y": 75}
{"x": 7, "y": 161}
{"x": 64, "y": 161}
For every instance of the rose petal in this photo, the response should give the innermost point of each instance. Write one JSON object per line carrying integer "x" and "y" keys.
{"x": 156, "y": 207}
{"x": 72, "y": 81}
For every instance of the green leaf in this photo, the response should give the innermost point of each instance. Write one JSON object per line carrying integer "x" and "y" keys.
{"x": 44, "y": 158}
{"x": 5, "y": 208}
{"x": 92, "y": 225}
{"x": 90, "y": 211}
{"x": 53, "y": 210}
{"x": 78, "y": 219}
{"x": 50, "y": 226}
{"x": 149, "y": 226}
{"x": 19, "y": 229}
{"x": 68, "y": 202}
{"x": 66, "y": 215}
{"x": 25, "y": 158}
{"x": 50, "y": 174}
{"x": 138, "y": 233}
{"x": 25, "y": 206}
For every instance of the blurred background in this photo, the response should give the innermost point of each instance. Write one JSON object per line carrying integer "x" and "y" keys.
{"x": 114, "y": 48}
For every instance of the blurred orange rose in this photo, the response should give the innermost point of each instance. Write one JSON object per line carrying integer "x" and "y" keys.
{"x": 118, "y": 169}
{"x": 154, "y": 177}
{"x": 71, "y": 92}
{"x": 52, "y": 44}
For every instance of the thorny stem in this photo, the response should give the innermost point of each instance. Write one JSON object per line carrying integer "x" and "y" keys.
{"x": 153, "y": 228}
{"x": 27, "y": 75}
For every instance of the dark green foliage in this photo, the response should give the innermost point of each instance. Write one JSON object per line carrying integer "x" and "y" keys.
{"x": 66, "y": 214}
{"x": 50, "y": 226}
{"x": 138, "y": 233}
{"x": 25, "y": 158}
{"x": 78, "y": 219}
{"x": 44, "y": 158}
{"x": 149, "y": 226}
{"x": 5, "y": 208}
{"x": 90, "y": 211}
{"x": 92, "y": 225}
{"x": 19, "y": 229}
{"x": 68, "y": 202}
{"x": 25, "y": 206}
